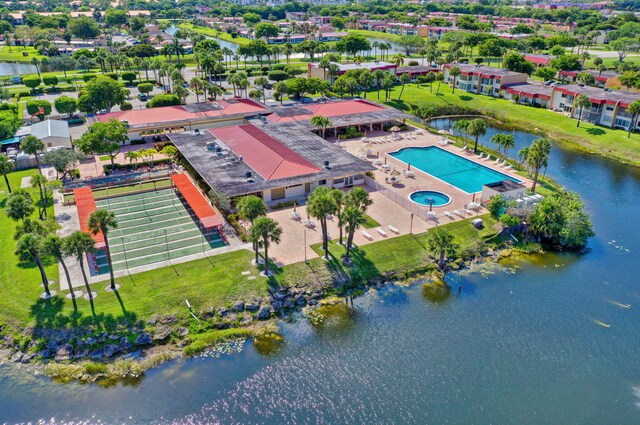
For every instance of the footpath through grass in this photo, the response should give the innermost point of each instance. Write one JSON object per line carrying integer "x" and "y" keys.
{"x": 604, "y": 141}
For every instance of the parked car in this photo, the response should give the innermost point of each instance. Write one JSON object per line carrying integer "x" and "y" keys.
{"x": 143, "y": 97}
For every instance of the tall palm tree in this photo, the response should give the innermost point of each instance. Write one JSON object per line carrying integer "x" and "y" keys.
{"x": 36, "y": 62}
{"x": 634, "y": 110}
{"x": 477, "y": 128}
{"x": 321, "y": 122}
{"x": 31, "y": 245}
{"x": 265, "y": 231}
{"x": 6, "y": 167}
{"x": 339, "y": 198}
{"x": 39, "y": 181}
{"x": 32, "y": 146}
{"x": 581, "y": 102}
{"x": 320, "y": 205}
{"x": 102, "y": 220}
{"x": 441, "y": 243}
{"x": 365, "y": 80}
{"x": 538, "y": 157}
{"x": 353, "y": 218}
{"x": 454, "y": 72}
{"x": 398, "y": 59}
{"x": 404, "y": 80}
{"x": 196, "y": 84}
{"x": 250, "y": 208}
{"x": 79, "y": 244}
{"x": 54, "y": 246}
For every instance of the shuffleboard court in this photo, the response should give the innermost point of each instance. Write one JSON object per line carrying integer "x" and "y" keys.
{"x": 153, "y": 227}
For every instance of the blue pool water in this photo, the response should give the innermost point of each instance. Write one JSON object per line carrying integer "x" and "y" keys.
{"x": 422, "y": 197}
{"x": 466, "y": 175}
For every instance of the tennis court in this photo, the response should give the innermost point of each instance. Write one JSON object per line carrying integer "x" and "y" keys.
{"x": 466, "y": 175}
{"x": 153, "y": 227}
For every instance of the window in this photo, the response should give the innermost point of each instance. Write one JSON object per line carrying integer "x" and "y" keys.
{"x": 295, "y": 185}
{"x": 338, "y": 181}
{"x": 609, "y": 108}
{"x": 358, "y": 177}
{"x": 322, "y": 182}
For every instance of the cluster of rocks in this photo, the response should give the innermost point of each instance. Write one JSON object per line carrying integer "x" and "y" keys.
{"x": 289, "y": 299}
{"x": 238, "y": 314}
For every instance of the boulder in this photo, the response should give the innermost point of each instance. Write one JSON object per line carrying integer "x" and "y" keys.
{"x": 222, "y": 325}
{"x": 28, "y": 357}
{"x": 162, "y": 333}
{"x": 64, "y": 352}
{"x": 89, "y": 341}
{"x": 153, "y": 320}
{"x": 17, "y": 356}
{"x": 124, "y": 344}
{"x": 96, "y": 354}
{"x": 81, "y": 353}
{"x": 316, "y": 295}
{"x": 182, "y": 332}
{"x": 301, "y": 300}
{"x": 110, "y": 350}
{"x": 252, "y": 307}
{"x": 277, "y": 305}
{"x": 238, "y": 306}
{"x": 231, "y": 317}
{"x": 279, "y": 295}
{"x": 143, "y": 339}
{"x": 208, "y": 312}
{"x": 223, "y": 311}
{"x": 246, "y": 319}
{"x": 288, "y": 303}
{"x": 264, "y": 313}
{"x": 313, "y": 302}
{"x": 5, "y": 354}
{"x": 114, "y": 337}
{"x": 167, "y": 320}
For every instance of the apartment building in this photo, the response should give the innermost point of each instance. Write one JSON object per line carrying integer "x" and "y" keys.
{"x": 482, "y": 79}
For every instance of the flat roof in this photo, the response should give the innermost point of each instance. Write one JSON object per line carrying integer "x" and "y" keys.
{"x": 505, "y": 186}
{"x": 171, "y": 115}
{"x": 466, "y": 68}
{"x": 226, "y": 172}
{"x": 415, "y": 68}
{"x": 534, "y": 90}
{"x": 50, "y": 128}
{"x": 603, "y": 76}
{"x": 599, "y": 95}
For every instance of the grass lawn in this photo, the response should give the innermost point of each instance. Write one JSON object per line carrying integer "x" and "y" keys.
{"x": 377, "y": 34}
{"x": 15, "y": 55}
{"x": 19, "y": 280}
{"x": 402, "y": 253}
{"x": 370, "y": 222}
{"x": 216, "y": 34}
{"x": 596, "y": 139}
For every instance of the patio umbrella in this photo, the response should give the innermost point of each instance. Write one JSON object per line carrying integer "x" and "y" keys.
{"x": 409, "y": 167}
{"x": 395, "y": 128}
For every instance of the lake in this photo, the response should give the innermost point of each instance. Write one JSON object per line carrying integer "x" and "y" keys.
{"x": 8, "y": 69}
{"x": 523, "y": 344}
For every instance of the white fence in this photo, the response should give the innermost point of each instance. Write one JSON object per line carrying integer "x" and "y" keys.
{"x": 403, "y": 201}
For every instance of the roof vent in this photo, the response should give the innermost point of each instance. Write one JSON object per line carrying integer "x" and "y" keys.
{"x": 211, "y": 146}
{"x": 327, "y": 165}
{"x": 197, "y": 131}
{"x": 248, "y": 176}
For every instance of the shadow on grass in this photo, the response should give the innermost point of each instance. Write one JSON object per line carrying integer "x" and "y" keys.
{"x": 465, "y": 98}
{"x": 398, "y": 104}
{"x": 596, "y": 131}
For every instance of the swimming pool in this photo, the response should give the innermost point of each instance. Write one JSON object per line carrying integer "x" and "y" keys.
{"x": 430, "y": 198}
{"x": 466, "y": 175}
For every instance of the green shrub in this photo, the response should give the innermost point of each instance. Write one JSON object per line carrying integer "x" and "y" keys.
{"x": 413, "y": 63}
{"x": 242, "y": 232}
{"x": 283, "y": 205}
{"x": 33, "y": 106}
{"x": 95, "y": 368}
{"x": 88, "y": 77}
{"x": 351, "y": 133}
{"x": 145, "y": 87}
{"x": 31, "y": 81}
{"x": 279, "y": 67}
{"x": 163, "y": 100}
{"x": 129, "y": 76}
{"x": 509, "y": 220}
{"x": 113, "y": 75}
{"x": 278, "y": 75}
{"x": 50, "y": 80}
{"x": 126, "y": 106}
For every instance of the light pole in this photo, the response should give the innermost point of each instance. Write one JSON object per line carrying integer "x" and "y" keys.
{"x": 411, "y": 225}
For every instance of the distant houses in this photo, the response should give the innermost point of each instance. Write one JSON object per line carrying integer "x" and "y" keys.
{"x": 414, "y": 71}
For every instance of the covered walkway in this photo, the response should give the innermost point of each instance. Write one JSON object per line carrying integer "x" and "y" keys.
{"x": 200, "y": 206}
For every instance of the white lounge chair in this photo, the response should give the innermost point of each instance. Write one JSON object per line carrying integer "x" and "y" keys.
{"x": 366, "y": 234}
{"x": 295, "y": 215}
{"x": 497, "y": 161}
{"x": 309, "y": 223}
{"x": 431, "y": 215}
{"x": 448, "y": 214}
{"x": 457, "y": 212}
{"x": 394, "y": 229}
{"x": 409, "y": 173}
{"x": 381, "y": 231}
{"x": 468, "y": 211}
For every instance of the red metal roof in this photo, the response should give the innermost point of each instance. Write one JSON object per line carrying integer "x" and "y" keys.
{"x": 268, "y": 157}
{"x": 86, "y": 204}
{"x": 179, "y": 113}
{"x": 200, "y": 206}
{"x": 329, "y": 109}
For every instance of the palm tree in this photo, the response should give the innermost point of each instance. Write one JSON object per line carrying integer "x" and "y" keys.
{"x": 19, "y": 205}
{"x": 31, "y": 245}
{"x": 102, "y": 220}
{"x": 581, "y": 102}
{"x": 538, "y": 157}
{"x": 54, "y": 246}
{"x": 441, "y": 243}
{"x": 398, "y": 59}
{"x": 454, "y": 72}
{"x": 522, "y": 155}
{"x": 35, "y": 62}
{"x": 79, "y": 244}
{"x": 440, "y": 79}
{"x": 353, "y": 218}
{"x": 39, "y": 181}
{"x": 250, "y": 208}
{"x": 359, "y": 198}
{"x": 504, "y": 141}
{"x": 477, "y": 128}
{"x": 404, "y": 80}
{"x": 320, "y": 205}
{"x": 333, "y": 70}
{"x": 634, "y": 110}
{"x": 339, "y": 198}
{"x": 6, "y": 167}
{"x": 32, "y": 145}
{"x": 365, "y": 79}
{"x": 262, "y": 83}
{"x": 265, "y": 231}
{"x": 196, "y": 86}
{"x": 321, "y": 122}
{"x": 430, "y": 78}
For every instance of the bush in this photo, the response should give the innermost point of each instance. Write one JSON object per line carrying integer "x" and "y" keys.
{"x": 88, "y": 77}
{"x": 145, "y": 87}
{"x": 107, "y": 167}
{"x": 75, "y": 174}
{"x": 129, "y": 76}
{"x": 351, "y": 133}
{"x": 163, "y": 100}
{"x": 113, "y": 75}
{"x": 279, "y": 67}
{"x": 126, "y": 106}
{"x": 432, "y": 111}
{"x": 509, "y": 220}
{"x": 95, "y": 368}
{"x": 283, "y": 205}
{"x": 242, "y": 232}
{"x": 278, "y": 75}
{"x": 50, "y": 80}
{"x": 137, "y": 142}
{"x": 33, "y": 106}
{"x": 265, "y": 68}
{"x": 413, "y": 63}
{"x": 31, "y": 81}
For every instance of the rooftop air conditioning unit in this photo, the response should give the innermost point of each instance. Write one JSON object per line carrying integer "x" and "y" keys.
{"x": 197, "y": 131}
{"x": 327, "y": 165}
{"x": 248, "y": 176}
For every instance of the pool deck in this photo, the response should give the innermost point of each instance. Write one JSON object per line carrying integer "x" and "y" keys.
{"x": 384, "y": 210}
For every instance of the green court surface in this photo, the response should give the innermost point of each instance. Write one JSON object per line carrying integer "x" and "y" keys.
{"x": 153, "y": 227}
